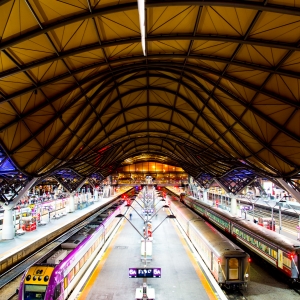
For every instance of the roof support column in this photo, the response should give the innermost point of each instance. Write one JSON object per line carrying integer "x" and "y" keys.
{"x": 71, "y": 203}
{"x": 205, "y": 195}
{"x": 295, "y": 194}
{"x": 8, "y": 231}
{"x": 233, "y": 205}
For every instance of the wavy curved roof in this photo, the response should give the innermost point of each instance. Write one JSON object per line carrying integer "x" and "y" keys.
{"x": 218, "y": 88}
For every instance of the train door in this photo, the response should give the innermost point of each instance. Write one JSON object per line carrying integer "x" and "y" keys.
{"x": 233, "y": 269}
{"x": 280, "y": 259}
{"x": 66, "y": 284}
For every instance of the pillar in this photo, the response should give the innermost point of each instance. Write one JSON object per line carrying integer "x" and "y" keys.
{"x": 96, "y": 195}
{"x": 233, "y": 208}
{"x": 8, "y": 231}
{"x": 112, "y": 190}
{"x": 71, "y": 204}
{"x": 205, "y": 195}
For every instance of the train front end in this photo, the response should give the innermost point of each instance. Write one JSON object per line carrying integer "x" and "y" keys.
{"x": 35, "y": 282}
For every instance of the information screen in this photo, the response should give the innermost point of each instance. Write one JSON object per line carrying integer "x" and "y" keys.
{"x": 144, "y": 272}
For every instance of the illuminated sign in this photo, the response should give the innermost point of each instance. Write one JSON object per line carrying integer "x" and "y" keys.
{"x": 144, "y": 272}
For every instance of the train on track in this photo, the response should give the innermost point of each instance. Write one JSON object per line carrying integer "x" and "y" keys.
{"x": 58, "y": 274}
{"x": 228, "y": 263}
{"x": 281, "y": 252}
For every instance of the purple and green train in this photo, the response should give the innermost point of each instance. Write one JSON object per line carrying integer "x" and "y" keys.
{"x": 57, "y": 276}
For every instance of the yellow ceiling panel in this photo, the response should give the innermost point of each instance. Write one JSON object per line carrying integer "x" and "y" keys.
{"x": 17, "y": 19}
{"x": 284, "y": 86}
{"x": 260, "y": 127}
{"x": 283, "y": 143}
{"x": 240, "y": 91}
{"x": 139, "y": 113}
{"x": 48, "y": 11}
{"x": 86, "y": 58}
{"x": 63, "y": 101}
{"x": 34, "y": 49}
{"x": 217, "y": 48}
{"x": 293, "y": 123}
{"x": 158, "y": 126}
{"x": 292, "y": 63}
{"x": 7, "y": 113}
{"x": 52, "y": 90}
{"x": 160, "y": 113}
{"x": 64, "y": 37}
{"x": 274, "y": 161}
{"x": 91, "y": 72}
{"x": 186, "y": 108}
{"x": 12, "y": 84}
{"x": 161, "y": 82}
{"x": 265, "y": 56}
{"x": 182, "y": 121}
{"x": 118, "y": 25}
{"x": 48, "y": 71}
{"x": 123, "y": 50}
{"x": 5, "y": 63}
{"x": 167, "y": 46}
{"x": 252, "y": 76}
{"x": 134, "y": 98}
{"x": 277, "y": 27}
{"x": 27, "y": 153}
{"x": 229, "y": 104}
{"x": 224, "y": 21}
{"x": 206, "y": 64}
{"x": 156, "y": 96}
{"x": 171, "y": 19}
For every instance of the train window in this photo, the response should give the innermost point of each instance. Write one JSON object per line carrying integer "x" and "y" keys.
{"x": 32, "y": 291}
{"x": 287, "y": 262}
{"x": 71, "y": 275}
{"x": 57, "y": 291}
{"x": 76, "y": 269}
{"x": 233, "y": 269}
{"x": 65, "y": 282}
{"x": 274, "y": 253}
{"x": 81, "y": 263}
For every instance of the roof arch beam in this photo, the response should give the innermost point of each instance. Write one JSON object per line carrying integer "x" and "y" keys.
{"x": 281, "y": 9}
{"x": 190, "y": 37}
{"x": 278, "y": 126}
{"x": 189, "y": 88}
{"x": 266, "y": 146}
{"x": 159, "y": 56}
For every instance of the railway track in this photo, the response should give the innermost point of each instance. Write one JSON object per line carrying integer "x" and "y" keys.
{"x": 10, "y": 280}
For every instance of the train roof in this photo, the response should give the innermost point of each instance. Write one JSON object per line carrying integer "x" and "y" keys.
{"x": 213, "y": 238}
{"x": 269, "y": 235}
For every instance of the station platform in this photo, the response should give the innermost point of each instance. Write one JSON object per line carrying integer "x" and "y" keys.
{"x": 182, "y": 278}
{"x": 11, "y": 250}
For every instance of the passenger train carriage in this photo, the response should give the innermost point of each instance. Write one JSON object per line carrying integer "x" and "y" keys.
{"x": 56, "y": 277}
{"x": 228, "y": 263}
{"x": 281, "y": 252}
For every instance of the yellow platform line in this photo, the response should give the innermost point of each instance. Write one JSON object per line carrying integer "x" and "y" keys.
{"x": 86, "y": 290}
{"x": 208, "y": 289}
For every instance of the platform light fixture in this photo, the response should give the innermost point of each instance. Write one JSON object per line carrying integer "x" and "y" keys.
{"x": 141, "y": 9}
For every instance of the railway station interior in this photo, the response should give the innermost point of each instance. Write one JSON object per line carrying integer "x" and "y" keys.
{"x": 140, "y": 137}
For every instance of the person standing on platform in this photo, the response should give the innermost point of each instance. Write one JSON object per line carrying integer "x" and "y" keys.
{"x": 130, "y": 216}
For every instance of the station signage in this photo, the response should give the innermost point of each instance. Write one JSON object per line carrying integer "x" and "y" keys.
{"x": 144, "y": 272}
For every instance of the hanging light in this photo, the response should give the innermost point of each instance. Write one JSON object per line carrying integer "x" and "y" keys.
{"x": 141, "y": 8}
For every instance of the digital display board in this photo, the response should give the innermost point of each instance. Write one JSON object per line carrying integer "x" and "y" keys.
{"x": 144, "y": 272}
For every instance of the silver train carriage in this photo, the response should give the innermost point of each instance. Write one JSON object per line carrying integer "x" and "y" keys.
{"x": 281, "y": 252}
{"x": 228, "y": 263}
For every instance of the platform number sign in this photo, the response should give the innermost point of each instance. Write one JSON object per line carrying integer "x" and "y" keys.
{"x": 144, "y": 272}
